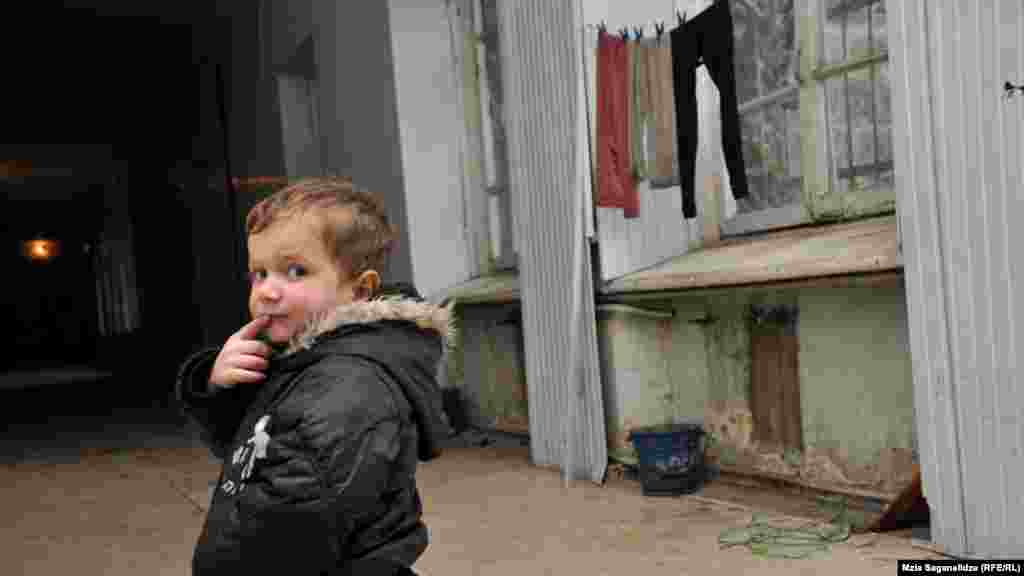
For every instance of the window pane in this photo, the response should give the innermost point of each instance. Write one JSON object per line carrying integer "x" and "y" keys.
{"x": 771, "y": 148}
{"x": 850, "y": 28}
{"x": 859, "y": 115}
{"x": 839, "y": 146}
{"x": 765, "y": 39}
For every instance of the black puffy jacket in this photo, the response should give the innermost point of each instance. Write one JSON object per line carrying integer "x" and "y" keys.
{"x": 328, "y": 486}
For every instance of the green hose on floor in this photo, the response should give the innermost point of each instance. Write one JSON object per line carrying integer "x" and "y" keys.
{"x": 802, "y": 542}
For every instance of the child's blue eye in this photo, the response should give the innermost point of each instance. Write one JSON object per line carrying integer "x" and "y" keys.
{"x": 256, "y": 276}
{"x": 295, "y": 271}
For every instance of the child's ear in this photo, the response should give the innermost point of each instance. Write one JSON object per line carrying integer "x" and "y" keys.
{"x": 367, "y": 284}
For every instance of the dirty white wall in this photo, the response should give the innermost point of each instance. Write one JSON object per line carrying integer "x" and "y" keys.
{"x": 358, "y": 109}
{"x": 386, "y": 115}
{"x": 429, "y": 122}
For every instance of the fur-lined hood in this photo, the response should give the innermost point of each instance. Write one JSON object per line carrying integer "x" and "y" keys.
{"x": 426, "y": 316}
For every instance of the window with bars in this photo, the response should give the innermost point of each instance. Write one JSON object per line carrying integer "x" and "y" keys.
{"x": 855, "y": 73}
{"x": 813, "y": 85}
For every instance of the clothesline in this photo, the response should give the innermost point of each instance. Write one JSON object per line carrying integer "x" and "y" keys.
{"x": 653, "y": 26}
{"x": 657, "y": 27}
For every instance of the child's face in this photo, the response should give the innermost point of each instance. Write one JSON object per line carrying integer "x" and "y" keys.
{"x": 292, "y": 276}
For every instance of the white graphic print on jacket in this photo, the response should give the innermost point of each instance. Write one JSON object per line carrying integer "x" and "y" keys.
{"x": 246, "y": 455}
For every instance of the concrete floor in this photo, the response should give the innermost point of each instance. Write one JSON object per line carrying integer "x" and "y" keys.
{"x": 98, "y": 480}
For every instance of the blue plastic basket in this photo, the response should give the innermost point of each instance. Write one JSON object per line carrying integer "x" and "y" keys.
{"x": 671, "y": 458}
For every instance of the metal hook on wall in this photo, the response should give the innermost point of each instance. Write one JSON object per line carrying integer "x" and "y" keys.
{"x": 1010, "y": 88}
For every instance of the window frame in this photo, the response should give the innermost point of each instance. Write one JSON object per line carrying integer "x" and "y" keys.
{"x": 819, "y": 202}
{"x": 486, "y": 161}
{"x": 825, "y": 202}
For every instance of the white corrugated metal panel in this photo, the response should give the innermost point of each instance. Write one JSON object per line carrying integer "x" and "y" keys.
{"x": 541, "y": 66}
{"x": 959, "y": 160}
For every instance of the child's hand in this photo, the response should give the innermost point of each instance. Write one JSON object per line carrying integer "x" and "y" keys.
{"x": 243, "y": 358}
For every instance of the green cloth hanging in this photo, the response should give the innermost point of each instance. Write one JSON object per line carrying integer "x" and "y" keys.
{"x": 638, "y": 111}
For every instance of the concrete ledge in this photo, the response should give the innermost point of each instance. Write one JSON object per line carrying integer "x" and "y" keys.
{"x": 498, "y": 288}
{"x": 864, "y": 247}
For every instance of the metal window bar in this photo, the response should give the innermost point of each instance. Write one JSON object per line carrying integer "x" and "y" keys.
{"x": 756, "y": 36}
{"x": 833, "y": 70}
{"x": 847, "y": 7}
{"x": 768, "y": 99}
{"x": 864, "y": 169}
{"x": 846, "y": 95}
{"x": 785, "y": 139}
{"x": 759, "y": 87}
{"x": 874, "y": 111}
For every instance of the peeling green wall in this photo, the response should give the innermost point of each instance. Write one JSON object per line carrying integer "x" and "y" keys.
{"x": 856, "y": 387}
{"x": 855, "y": 372}
{"x": 654, "y": 371}
{"x": 856, "y": 383}
{"x": 487, "y": 366}
{"x": 727, "y": 341}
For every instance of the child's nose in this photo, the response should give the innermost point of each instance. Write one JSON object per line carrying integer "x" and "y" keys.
{"x": 268, "y": 290}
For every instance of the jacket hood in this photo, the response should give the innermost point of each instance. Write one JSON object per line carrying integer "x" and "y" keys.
{"x": 401, "y": 308}
{"x": 407, "y": 335}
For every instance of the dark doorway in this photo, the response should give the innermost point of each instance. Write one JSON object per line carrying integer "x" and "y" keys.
{"x": 110, "y": 119}
{"x": 51, "y": 303}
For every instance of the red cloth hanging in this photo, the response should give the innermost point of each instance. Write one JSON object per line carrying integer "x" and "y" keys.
{"x": 616, "y": 185}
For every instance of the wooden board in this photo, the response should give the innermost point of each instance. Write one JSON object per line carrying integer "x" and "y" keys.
{"x": 821, "y": 488}
{"x": 775, "y": 386}
{"x": 891, "y": 278}
{"x": 868, "y": 246}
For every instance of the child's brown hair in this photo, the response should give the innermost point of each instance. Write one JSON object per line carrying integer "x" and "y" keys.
{"x": 354, "y": 222}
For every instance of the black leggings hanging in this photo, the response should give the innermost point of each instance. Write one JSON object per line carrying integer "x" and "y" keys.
{"x": 706, "y": 39}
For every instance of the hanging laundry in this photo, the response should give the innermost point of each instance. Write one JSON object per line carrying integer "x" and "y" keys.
{"x": 663, "y": 153}
{"x": 616, "y": 185}
{"x": 632, "y": 207}
{"x": 647, "y": 108}
{"x": 706, "y": 39}
{"x": 639, "y": 109}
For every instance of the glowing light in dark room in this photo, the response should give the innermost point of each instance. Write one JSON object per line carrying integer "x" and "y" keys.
{"x": 41, "y": 249}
